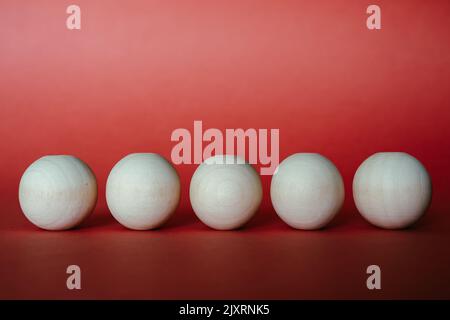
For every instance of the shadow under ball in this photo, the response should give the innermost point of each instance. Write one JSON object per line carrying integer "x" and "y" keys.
{"x": 392, "y": 190}
{"x": 142, "y": 191}
{"x": 57, "y": 192}
{"x": 307, "y": 191}
{"x": 225, "y": 192}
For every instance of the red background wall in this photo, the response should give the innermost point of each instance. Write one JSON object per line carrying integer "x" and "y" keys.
{"x": 137, "y": 70}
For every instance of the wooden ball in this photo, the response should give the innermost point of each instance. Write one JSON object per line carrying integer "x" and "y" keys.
{"x": 142, "y": 191}
{"x": 225, "y": 192}
{"x": 307, "y": 191}
{"x": 392, "y": 190}
{"x": 57, "y": 192}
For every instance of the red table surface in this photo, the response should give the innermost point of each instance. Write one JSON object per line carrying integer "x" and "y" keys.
{"x": 137, "y": 70}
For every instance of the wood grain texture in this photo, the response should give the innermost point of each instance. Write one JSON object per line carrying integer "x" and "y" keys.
{"x": 57, "y": 192}
{"x": 142, "y": 191}
{"x": 392, "y": 190}
{"x": 307, "y": 191}
{"x": 225, "y": 192}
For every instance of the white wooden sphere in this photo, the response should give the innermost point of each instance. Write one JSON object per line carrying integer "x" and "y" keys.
{"x": 307, "y": 191}
{"x": 142, "y": 191}
{"x": 225, "y": 192}
{"x": 57, "y": 192}
{"x": 392, "y": 190}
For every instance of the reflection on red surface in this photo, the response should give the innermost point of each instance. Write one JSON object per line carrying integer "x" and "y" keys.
{"x": 187, "y": 260}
